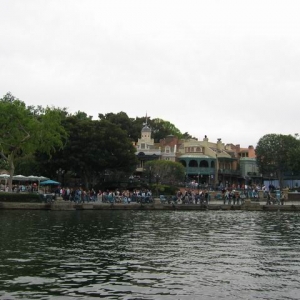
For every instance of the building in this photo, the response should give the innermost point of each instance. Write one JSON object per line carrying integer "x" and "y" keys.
{"x": 206, "y": 163}
{"x": 146, "y": 150}
{"x": 210, "y": 164}
{"x": 168, "y": 147}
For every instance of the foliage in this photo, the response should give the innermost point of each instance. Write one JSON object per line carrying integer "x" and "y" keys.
{"x": 94, "y": 148}
{"x": 164, "y": 171}
{"x": 187, "y": 136}
{"x": 161, "y": 129}
{"x": 3, "y": 164}
{"x": 166, "y": 189}
{"x": 23, "y": 130}
{"x": 20, "y": 197}
{"x": 277, "y": 154}
{"x": 129, "y": 125}
{"x": 294, "y": 158}
{"x": 27, "y": 164}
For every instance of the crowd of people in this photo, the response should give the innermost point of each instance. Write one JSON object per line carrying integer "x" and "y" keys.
{"x": 80, "y": 195}
{"x": 18, "y": 188}
{"x": 229, "y": 195}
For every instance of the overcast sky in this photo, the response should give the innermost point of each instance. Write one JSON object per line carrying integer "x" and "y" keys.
{"x": 225, "y": 69}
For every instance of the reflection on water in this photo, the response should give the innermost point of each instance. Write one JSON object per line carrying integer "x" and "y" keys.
{"x": 149, "y": 255}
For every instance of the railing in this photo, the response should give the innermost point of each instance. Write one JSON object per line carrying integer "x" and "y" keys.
{"x": 229, "y": 172}
{"x": 200, "y": 171}
{"x": 211, "y": 171}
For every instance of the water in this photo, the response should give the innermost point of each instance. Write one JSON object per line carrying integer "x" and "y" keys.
{"x": 149, "y": 255}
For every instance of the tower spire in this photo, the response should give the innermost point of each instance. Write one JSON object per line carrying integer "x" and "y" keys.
{"x": 146, "y": 123}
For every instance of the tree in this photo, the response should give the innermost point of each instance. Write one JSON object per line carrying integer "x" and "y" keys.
{"x": 161, "y": 129}
{"x": 23, "y": 130}
{"x": 164, "y": 171}
{"x": 294, "y": 156}
{"x": 124, "y": 122}
{"x": 93, "y": 148}
{"x": 277, "y": 153}
{"x": 187, "y": 136}
{"x": 3, "y": 164}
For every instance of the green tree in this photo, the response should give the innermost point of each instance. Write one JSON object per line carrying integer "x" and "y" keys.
{"x": 161, "y": 129}
{"x": 94, "y": 147}
{"x": 187, "y": 136}
{"x": 3, "y": 164}
{"x": 294, "y": 156}
{"x": 277, "y": 154}
{"x": 121, "y": 119}
{"x": 164, "y": 171}
{"x": 23, "y": 130}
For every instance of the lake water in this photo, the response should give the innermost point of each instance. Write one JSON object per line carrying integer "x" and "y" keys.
{"x": 149, "y": 255}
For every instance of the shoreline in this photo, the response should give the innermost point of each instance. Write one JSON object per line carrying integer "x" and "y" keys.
{"x": 60, "y": 205}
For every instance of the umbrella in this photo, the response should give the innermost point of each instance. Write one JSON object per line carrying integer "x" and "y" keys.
{"x": 41, "y": 178}
{"x": 33, "y": 178}
{"x": 20, "y": 178}
{"x": 5, "y": 177}
{"x": 50, "y": 182}
{"x": 37, "y": 178}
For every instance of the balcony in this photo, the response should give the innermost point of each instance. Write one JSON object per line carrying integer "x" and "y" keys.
{"x": 211, "y": 171}
{"x": 229, "y": 172}
{"x": 201, "y": 171}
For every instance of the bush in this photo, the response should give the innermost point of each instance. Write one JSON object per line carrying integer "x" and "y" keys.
{"x": 20, "y": 197}
{"x": 166, "y": 189}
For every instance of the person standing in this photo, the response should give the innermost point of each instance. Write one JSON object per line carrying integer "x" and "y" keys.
{"x": 282, "y": 198}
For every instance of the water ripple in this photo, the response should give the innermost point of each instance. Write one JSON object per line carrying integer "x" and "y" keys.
{"x": 149, "y": 255}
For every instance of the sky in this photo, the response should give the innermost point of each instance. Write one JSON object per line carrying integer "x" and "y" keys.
{"x": 221, "y": 68}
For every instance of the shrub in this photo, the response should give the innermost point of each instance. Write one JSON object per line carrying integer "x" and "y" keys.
{"x": 20, "y": 197}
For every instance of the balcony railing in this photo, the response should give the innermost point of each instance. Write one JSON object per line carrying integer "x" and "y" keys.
{"x": 229, "y": 172}
{"x": 211, "y": 171}
{"x": 200, "y": 171}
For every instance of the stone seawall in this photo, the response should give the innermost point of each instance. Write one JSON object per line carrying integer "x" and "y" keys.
{"x": 64, "y": 206}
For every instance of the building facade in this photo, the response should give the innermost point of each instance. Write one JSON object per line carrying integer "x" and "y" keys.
{"x": 206, "y": 163}
{"x": 146, "y": 150}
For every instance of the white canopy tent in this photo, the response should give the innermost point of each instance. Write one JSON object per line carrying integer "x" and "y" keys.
{"x": 22, "y": 178}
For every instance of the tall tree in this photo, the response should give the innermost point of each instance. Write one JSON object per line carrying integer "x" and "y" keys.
{"x": 93, "y": 148}
{"x": 161, "y": 129}
{"x": 124, "y": 122}
{"x": 277, "y": 154}
{"x": 23, "y": 130}
{"x": 164, "y": 171}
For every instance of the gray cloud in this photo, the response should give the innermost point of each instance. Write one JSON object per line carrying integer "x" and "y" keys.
{"x": 226, "y": 69}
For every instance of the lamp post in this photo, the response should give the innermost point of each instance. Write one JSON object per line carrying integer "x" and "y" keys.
{"x": 131, "y": 178}
{"x": 157, "y": 180}
{"x": 60, "y": 172}
{"x": 216, "y": 171}
{"x": 271, "y": 174}
{"x": 202, "y": 181}
{"x": 150, "y": 175}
